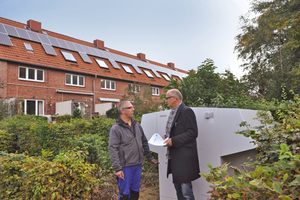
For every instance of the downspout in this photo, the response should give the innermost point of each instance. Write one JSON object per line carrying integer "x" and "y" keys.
{"x": 94, "y": 99}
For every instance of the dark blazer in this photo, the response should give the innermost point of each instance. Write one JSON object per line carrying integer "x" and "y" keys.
{"x": 184, "y": 163}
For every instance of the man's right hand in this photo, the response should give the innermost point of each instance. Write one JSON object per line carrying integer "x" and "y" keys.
{"x": 120, "y": 174}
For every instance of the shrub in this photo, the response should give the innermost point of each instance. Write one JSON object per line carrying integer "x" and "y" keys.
{"x": 113, "y": 113}
{"x": 276, "y": 174}
{"x": 64, "y": 118}
{"x": 66, "y": 177}
{"x": 77, "y": 113}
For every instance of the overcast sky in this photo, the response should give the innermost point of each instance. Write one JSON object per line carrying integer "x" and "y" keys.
{"x": 184, "y": 32}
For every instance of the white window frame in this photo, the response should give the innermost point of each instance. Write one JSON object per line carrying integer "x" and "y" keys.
{"x": 101, "y": 63}
{"x": 155, "y": 91}
{"x": 36, "y": 106}
{"x": 28, "y": 47}
{"x": 108, "y": 84}
{"x": 134, "y": 88}
{"x": 68, "y": 56}
{"x": 27, "y": 74}
{"x": 127, "y": 69}
{"x": 148, "y": 73}
{"x": 166, "y": 77}
{"x": 71, "y": 77}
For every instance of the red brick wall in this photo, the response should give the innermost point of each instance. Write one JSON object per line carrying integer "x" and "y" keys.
{"x": 55, "y": 80}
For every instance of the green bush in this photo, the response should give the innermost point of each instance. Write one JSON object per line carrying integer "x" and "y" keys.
{"x": 64, "y": 118}
{"x": 77, "y": 113}
{"x": 113, "y": 113}
{"x": 66, "y": 177}
{"x": 276, "y": 172}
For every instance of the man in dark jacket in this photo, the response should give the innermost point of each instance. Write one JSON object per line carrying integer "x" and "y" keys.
{"x": 182, "y": 153}
{"x": 127, "y": 148}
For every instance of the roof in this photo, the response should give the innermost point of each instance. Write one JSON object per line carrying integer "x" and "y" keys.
{"x": 48, "y": 47}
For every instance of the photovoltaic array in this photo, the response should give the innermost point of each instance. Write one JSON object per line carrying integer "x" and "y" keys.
{"x": 49, "y": 42}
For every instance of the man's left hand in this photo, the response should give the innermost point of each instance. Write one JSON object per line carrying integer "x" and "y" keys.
{"x": 154, "y": 162}
{"x": 168, "y": 142}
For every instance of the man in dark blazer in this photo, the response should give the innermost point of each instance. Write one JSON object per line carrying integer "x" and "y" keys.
{"x": 182, "y": 153}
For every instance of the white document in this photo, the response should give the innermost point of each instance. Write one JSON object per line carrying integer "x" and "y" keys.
{"x": 157, "y": 140}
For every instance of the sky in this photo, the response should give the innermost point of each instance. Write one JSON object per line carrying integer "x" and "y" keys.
{"x": 184, "y": 32}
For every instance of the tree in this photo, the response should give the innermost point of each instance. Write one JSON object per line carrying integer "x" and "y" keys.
{"x": 270, "y": 45}
{"x": 205, "y": 87}
{"x": 141, "y": 97}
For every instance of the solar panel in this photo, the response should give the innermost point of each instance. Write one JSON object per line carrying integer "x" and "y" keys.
{"x": 44, "y": 39}
{"x": 85, "y": 57}
{"x": 93, "y": 51}
{"x": 78, "y": 47}
{"x": 71, "y": 46}
{"x": 156, "y": 74}
{"x": 23, "y": 34}
{"x": 54, "y": 41}
{"x": 34, "y": 36}
{"x": 86, "y": 49}
{"x": 4, "y": 39}
{"x": 63, "y": 44}
{"x": 11, "y": 30}
{"x": 136, "y": 68}
{"x": 49, "y": 49}
{"x": 2, "y": 29}
{"x": 114, "y": 64}
{"x": 101, "y": 53}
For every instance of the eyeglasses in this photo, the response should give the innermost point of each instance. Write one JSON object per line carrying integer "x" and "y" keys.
{"x": 169, "y": 97}
{"x": 131, "y": 107}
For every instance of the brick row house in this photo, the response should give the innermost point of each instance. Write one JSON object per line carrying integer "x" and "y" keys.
{"x": 47, "y": 73}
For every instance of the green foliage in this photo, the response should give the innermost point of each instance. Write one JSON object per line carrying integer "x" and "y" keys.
{"x": 66, "y": 177}
{"x": 64, "y": 118}
{"x": 279, "y": 181}
{"x": 270, "y": 45}
{"x": 141, "y": 100}
{"x": 77, "y": 113}
{"x": 206, "y": 88}
{"x": 275, "y": 173}
{"x": 4, "y": 141}
{"x": 113, "y": 113}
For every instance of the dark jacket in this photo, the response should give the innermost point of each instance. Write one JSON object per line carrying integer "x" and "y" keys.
{"x": 127, "y": 145}
{"x": 184, "y": 163}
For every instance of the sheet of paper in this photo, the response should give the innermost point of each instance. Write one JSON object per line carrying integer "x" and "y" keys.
{"x": 157, "y": 140}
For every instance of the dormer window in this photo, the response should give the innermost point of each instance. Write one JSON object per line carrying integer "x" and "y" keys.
{"x": 148, "y": 73}
{"x": 28, "y": 47}
{"x": 68, "y": 56}
{"x": 101, "y": 63}
{"x": 166, "y": 77}
{"x": 127, "y": 69}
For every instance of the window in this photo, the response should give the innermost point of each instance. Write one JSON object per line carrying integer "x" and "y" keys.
{"x": 31, "y": 74}
{"x": 33, "y": 107}
{"x": 108, "y": 85}
{"x": 127, "y": 69}
{"x": 148, "y": 73}
{"x": 68, "y": 56}
{"x": 74, "y": 80}
{"x": 166, "y": 77}
{"x": 134, "y": 88}
{"x": 155, "y": 91}
{"x": 101, "y": 63}
{"x": 28, "y": 47}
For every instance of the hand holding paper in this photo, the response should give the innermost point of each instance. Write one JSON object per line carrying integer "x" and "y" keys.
{"x": 157, "y": 140}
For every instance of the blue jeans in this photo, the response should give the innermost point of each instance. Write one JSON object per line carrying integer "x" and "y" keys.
{"x": 184, "y": 191}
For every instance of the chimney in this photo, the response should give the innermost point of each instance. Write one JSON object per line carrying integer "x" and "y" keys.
{"x": 99, "y": 44}
{"x": 171, "y": 65}
{"x": 141, "y": 56}
{"x": 34, "y": 25}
